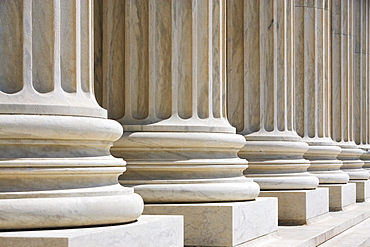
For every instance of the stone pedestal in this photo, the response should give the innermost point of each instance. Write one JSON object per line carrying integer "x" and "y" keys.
{"x": 298, "y": 206}
{"x": 222, "y": 224}
{"x": 340, "y": 195}
{"x": 146, "y": 231}
{"x": 362, "y": 189}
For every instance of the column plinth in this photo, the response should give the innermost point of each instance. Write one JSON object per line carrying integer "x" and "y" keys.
{"x": 168, "y": 92}
{"x": 55, "y": 167}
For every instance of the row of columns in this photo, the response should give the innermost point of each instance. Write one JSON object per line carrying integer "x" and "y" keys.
{"x": 217, "y": 101}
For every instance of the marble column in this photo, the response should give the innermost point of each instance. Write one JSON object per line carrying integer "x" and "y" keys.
{"x": 343, "y": 89}
{"x": 160, "y": 72}
{"x": 167, "y": 89}
{"x": 260, "y": 71}
{"x": 55, "y": 165}
{"x": 260, "y": 96}
{"x": 361, "y": 79}
{"x": 312, "y": 90}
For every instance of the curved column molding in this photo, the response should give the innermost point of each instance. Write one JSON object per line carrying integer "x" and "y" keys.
{"x": 343, "y": 87}
{"x": 361, "y": 79}
{"x": 167, "y": 89}
{"x": 55, "y": 165}
{"x": 312, "y": 88}
{"x": 260, "y": 95}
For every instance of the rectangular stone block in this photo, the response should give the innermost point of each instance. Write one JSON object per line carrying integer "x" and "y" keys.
{"x": 147, "y": 231}
{"x": 297, "y": 206}
{"x": 340, "y": 195}
{"x": 222, "y": 224}
{"x": 362, "y": 189}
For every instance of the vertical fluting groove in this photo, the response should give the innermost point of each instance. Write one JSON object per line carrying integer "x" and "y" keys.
{"x": 299, "y": 68}
{"x": 194, "y": 21}
{"x": 366, "y": 64}
{"x": 318, "y": 67}
{"x": 84, "y": 44}
{"x": 252, "y": 83}
{"x": 183, "y": 38}
{"x": 357, "y": 84}
{"x": 43, "y": 45}
{"x": 56, "y": 43}
{"x": 336, "y": 54}
{"x": 27, "y": 45}
{"x": 365, "y": 70}
{"x": 194, "y": 57}
{"x": 272, "y": 123}
{"x": 11, "y": 39}
{"x": 210, "y": 56}
{"x": 281, "y": 71}
{"x": 153, "y": 17}
{"x": 309, "y": 71}
{"x": 78, "y": 47}
{"x": 235, "y": 76}
{"x": 68, "y": 46}
{"x": 91, "y": 49}
{"x": 350, "y": 71}
{"x": 328, "y": 67}
{"x": 114, "y": 58}
{"x": 216, "y": 49}
{"x": 126, "y": 63}
{"x": 98, "y": 55}
{"x": 344, "y": 63}
{"x": 139, "y": 73}
{"x": 267, "y": 54}
{"x": 288, "y": 18}
{"x": 364, "y": 104}
{"x": 161, "y": 57}
{"x": 289, "y": 95}
{"x": 223, "y": 104}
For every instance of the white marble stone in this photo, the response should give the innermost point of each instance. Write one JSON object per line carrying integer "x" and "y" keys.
{"x": 298, "y": 206}
{"x": 260, "y": 73}
{"x": 167, "y": 88}
{"x": 149, "y": 230}
{"x": 340, "y": 195}
{"x": 320, "y": 229}
{"x": 362, "y": 189}
{"x": 222, "y": 224}
{"x": 55, "y": 166}
{"x": 312, "y": 90}
{"x": 345, "y": 92}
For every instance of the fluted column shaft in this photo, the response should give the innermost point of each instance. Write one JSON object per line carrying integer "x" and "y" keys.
{"x": 343, "y": 89}
{"x": 260, "y": 95}
{"x": 361, "y": 79}
{"x": 312, "y": 106}
{"x": 167, "y": 89}
{"x": 55, "y": 165}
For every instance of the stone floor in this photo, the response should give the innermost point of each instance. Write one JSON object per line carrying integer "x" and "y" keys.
{"x": 347, "y": 228}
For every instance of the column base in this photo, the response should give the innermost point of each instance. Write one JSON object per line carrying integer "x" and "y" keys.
{"x": 340, "y": 195}
{"x": 161, "y": 230}
{"x": 297, "y": 206}
{"x": 222, "y": 224}
{"x": 362, "y": 189}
